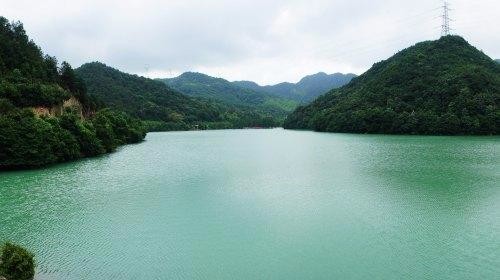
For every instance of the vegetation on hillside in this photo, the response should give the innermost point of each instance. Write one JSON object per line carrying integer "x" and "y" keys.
{"x": 210, "y": 88}
{"x": 29, "y": 79}
{"x": 306, "y": 90}
{"x": 435, "y": 87}
{"x": 163, "y": 108}
{"x": 16, "y": 263}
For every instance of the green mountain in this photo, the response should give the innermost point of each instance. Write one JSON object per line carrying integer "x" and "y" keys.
{"x": 163, "y": 107}
{"x": 45, "y": 113}
{"x": 210, "y": 88}
{"x": 435, "y": 87}
{"x": 306, "y": 90}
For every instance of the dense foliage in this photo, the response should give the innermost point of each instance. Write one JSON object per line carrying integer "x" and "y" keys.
{"x": 28, "y": 80}
{"x": 163, "y": 108}
{"x": 306, "y": 90}
{"x": 435, "y": 87}
{"x": 204, "y": 86}
{"x": 30, "y": 141}
{"x": 16, "y": 263}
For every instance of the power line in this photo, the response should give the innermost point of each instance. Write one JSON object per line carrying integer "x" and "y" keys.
{"x": 334, "y": 49}
{"x": 445, "y": 27}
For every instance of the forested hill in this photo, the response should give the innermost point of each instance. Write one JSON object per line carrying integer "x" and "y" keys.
{"x": 203, "y": 86}
{"x": 306, "y": 90}
{"x": 435, "y": 87}
{"x": 45, "y": 113}
{"x": 163, "y": 107}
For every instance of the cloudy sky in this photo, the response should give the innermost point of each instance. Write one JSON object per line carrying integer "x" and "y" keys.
{"x": 267, "y": 41}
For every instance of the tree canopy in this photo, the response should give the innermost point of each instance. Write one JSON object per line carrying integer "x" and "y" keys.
{"x": 443, "y": 87}
{"x": 16, "y": 262}
{"x": 164, "y": 108}
{"x": 206, "y": 87}
{"x": 29, "y": 79}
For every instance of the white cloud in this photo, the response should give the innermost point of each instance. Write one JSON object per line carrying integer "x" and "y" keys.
{"x": 260, "y": 40}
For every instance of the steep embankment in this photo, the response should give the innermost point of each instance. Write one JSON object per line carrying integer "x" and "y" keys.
{"x": 306, "y": 90}
{"x": 58, "y": 110}
{"x": 435, "y": 87}
{"x": 45, "y": 113}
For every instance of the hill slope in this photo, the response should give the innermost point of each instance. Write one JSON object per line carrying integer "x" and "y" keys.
{"x": 152, "y": 100}
{"x": 306, "y": 90}
{"x": 435, "y": 87}
{"x": 45, "y": 113}
{"x": 203, "y": 86}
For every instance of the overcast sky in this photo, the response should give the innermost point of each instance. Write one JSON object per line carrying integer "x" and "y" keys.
{"x": 267, "y": 41}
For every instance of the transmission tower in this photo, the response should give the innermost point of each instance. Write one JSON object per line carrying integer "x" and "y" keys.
{"x": 445, "y": 31}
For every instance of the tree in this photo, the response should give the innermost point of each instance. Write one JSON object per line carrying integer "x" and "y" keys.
{"x": 30, "y": 79}
{"x": 16, "y": 263}
{"x": 444, "y": 87}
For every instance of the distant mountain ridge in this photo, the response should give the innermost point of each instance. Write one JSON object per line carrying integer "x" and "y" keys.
{"x": 203, "y": 86}
{"x": 306, "y": 90}
{"x": 166, "y": 108}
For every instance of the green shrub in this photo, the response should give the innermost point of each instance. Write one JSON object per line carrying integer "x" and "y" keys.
{"x": 16, "y": 263}
{"x": 30, "y": 141}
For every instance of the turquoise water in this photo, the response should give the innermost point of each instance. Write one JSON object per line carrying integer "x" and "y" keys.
{"x": 264, "y": 204}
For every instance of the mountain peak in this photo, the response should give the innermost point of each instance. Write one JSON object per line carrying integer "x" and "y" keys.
{"x": 445, "y": 86}
{"x": 193, "y": 74}
{"x": 307, "y": 89}
{"x": 231, "y": 93}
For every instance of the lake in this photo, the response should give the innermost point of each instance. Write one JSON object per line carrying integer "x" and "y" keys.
{"x": 264, "y": 204}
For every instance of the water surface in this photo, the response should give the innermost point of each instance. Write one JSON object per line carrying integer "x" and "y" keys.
{"x": 264, "y": 204}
